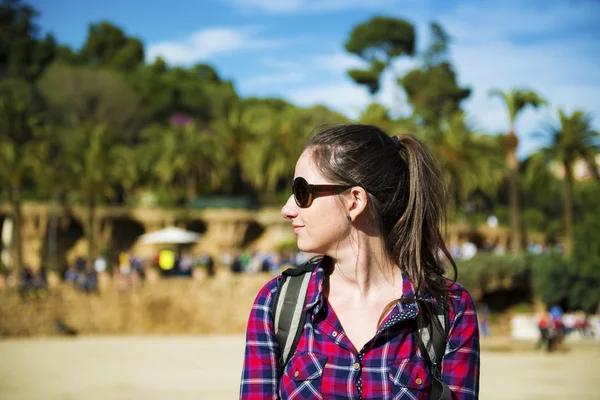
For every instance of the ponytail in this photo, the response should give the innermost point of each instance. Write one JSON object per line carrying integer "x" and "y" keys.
{"x": 416, "y": 240}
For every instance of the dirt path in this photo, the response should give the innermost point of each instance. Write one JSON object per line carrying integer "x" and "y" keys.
{"x": 149, "y": 368}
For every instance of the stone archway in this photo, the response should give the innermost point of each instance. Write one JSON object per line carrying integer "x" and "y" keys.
{"x": 253, "y": 232}
{"x": 195, "y": 225}
{"x": 124, "y": 232}
{"x": 63, "y": 233}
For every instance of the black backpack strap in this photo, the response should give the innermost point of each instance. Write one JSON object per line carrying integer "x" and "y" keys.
{"x": 288, "y": 308}
{"x": 433, "y": 327}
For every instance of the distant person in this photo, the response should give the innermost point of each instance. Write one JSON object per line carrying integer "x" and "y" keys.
{"x": 544, "y": 330}
{"x": 210, "y": 266}
{"x": 371, "y": 206}
{"x": 236, "y": 265}
{"x": 167, "y": 261}
{"x": 484, "y": 320}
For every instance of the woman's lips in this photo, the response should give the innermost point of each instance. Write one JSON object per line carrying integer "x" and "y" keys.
{"x": 297, "y": 229}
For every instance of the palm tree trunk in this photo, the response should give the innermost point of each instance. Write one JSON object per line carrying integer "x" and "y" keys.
{"x": 191, "y": 188}
{"x": 591, "y": 164}
{"x": 238, "y": 187}
{"x": 567, "y": 200}
{"x": 16, "y": 243}
{"x": 513, "y": 187}
{"x": 90, "y": 231}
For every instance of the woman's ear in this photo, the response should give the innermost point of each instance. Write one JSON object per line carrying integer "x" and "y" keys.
{"x": 356, "y": 202}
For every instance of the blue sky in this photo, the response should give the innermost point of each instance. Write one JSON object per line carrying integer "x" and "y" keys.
{"x": 295, "y": 48}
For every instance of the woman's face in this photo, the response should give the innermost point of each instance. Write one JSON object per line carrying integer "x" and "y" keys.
{"x": 323, "y": 224}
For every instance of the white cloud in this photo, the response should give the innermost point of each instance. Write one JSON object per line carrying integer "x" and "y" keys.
{"x": 274, "y": 79}
{"x": 483, "y": 21}
{"x": 292, "y": 6}
{"x": 279, "y": 63}
{"x": 337, "y": 62}
{"x": 342, "y": 96}
{"x": 209, "y": 42}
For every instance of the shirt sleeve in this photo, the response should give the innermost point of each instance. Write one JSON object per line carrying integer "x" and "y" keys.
{"x": 260, "y": 378}
{"x": 460, "y": 365}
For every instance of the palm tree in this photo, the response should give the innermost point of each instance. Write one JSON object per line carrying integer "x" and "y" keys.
{"x": 515, "y": 101}
{"x": 182, "y": 156}
{"x": 234, "y": 130}
{"x": 463, "y": 154}
{"x": 91, "y": 154}
{"x": 571, "y": 140}
{"x": 20, "y": 148}
{"x": 281, "y": 139}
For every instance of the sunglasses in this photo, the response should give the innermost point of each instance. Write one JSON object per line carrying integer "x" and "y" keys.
{"x": 304, "y": 192}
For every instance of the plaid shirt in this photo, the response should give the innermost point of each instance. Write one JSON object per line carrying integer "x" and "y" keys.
{"x": 327, "y": 366}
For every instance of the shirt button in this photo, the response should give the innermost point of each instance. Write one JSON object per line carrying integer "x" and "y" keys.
{"x": 356, "y": 366}
{"x": 298, "y": 373}
{"x": 334, "y": 334}
{"x": 419, "y": 381}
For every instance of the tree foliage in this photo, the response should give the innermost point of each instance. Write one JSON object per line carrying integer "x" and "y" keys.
{"x": 516, "y": 100}
{"x": 432, "y": 89}
{"x": 378, "y": 41}
{"x": 23, "y": 52}
{"x": 108, "y": 46}
{"x": 87, "y": 96}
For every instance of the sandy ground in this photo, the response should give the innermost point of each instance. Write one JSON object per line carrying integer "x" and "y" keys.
{"x": 149, "y": 368}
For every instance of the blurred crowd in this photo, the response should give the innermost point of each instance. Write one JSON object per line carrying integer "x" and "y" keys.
{"x": 467, "y": 249}
{"x": 555, "y": 326}
{"x": 129, "y": 270}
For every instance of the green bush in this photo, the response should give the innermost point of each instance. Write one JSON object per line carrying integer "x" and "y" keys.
{"x": 574, "y": 281}
{"x": 486, "y": 271}
{"x": 551, "y": 280}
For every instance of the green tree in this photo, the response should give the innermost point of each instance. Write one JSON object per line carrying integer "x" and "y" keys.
{"x": 23, "y": 52}
{"x": 515, "y": 101}
{"x": 84, "y": 96}
{"x": 92, "y": 156}
{"x": 378, "y": 115}
{"x": 281, "y": 137}
{"x": 378, "y": 42}
{"x": 573, "y": 139}
{"x": 432, "y": 89}
{"x": 182, "y": 157}
{"x": 234, "y": 128}
{"x": 463, "y": 153}
{"x": 540, "y": 186}
{"x": 108, "y": 46}
{"x": 97, "y": 115}
{"x": 20, "y": 117}
{"x": 165, "y": 91}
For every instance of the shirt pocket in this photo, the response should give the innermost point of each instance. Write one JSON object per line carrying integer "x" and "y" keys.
{"x": 303, "y": 376}
{"x": 410, "y": 376}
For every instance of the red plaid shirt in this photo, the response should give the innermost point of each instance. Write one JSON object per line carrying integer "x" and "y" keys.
{"x": 326, "y": 365}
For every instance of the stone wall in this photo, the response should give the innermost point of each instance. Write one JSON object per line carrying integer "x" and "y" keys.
{"x": 164, "y": 306}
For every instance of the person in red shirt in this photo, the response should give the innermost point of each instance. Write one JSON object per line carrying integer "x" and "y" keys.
{"x": 372, "y": 206}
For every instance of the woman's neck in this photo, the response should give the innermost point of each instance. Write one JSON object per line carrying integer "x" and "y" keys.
{"x": 363, "y": 273}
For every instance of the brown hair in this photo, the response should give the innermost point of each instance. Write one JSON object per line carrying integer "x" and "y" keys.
{"x": 407, "y": 196}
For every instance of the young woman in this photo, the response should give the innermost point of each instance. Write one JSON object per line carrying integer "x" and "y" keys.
{"x": 373, "y": 207}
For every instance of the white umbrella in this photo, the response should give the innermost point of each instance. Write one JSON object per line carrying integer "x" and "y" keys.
{"x": 170, "y": 235}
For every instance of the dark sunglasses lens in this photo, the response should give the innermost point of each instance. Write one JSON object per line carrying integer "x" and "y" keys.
{"x": 300, "y": 192}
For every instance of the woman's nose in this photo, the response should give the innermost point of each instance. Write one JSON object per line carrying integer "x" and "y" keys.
{"x": 289, "y": 209}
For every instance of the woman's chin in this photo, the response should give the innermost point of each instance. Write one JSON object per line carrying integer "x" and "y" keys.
{"x": 308, "y": 247}
{"x": 304, "y": 246}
